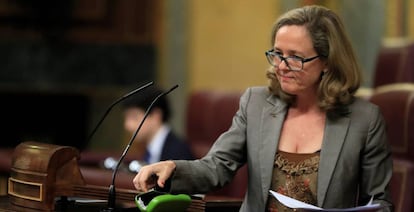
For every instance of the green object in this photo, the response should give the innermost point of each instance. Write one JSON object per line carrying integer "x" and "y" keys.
{"x": 155, "y": 201}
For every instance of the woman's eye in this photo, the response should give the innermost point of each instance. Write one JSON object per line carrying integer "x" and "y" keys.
{"x": 278, "y": 53}
{"x": 295, "y": 57}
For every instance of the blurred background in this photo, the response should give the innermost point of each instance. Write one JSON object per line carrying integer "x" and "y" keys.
{"x": 62, "y": 63}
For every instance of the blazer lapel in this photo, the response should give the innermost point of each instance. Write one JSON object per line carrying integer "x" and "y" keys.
{"x": 335, "y": 132}
{"x": 272, "y": 118}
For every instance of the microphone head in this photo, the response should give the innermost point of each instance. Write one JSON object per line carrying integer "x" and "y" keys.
{"x": 173, "y": 88}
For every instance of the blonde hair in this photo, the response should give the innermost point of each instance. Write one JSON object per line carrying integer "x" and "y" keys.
{"x": 339, "y": 84}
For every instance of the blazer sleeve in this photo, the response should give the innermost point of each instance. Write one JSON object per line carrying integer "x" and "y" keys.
{"x": 376, "y": 165}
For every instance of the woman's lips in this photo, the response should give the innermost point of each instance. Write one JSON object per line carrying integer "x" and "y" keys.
{"x": 285, "y": 77}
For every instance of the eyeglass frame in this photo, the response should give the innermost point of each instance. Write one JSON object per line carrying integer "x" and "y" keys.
{"x": 271, "y": 52}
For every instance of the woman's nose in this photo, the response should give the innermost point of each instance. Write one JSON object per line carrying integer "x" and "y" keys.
{"x": 283, "y": 65}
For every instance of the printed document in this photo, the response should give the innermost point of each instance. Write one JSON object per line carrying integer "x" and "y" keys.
{"x": 293, "y": 203}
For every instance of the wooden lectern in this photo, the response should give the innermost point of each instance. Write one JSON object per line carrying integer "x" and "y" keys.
{"x": 41, "y": 172}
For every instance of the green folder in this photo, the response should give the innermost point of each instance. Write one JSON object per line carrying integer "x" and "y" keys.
{"x": 156, "y": 201}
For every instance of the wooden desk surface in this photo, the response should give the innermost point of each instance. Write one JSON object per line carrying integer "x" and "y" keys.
{"x": 6, "y": 206}
{"x": 209, "y": 203}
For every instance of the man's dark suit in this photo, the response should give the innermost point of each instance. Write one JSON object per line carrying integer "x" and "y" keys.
{"x": 175, "y": 149}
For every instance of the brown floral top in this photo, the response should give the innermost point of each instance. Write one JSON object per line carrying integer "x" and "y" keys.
{"x": 294, "y": 175}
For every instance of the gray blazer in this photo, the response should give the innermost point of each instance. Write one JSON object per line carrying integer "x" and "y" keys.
{"x": 355, "y": 162}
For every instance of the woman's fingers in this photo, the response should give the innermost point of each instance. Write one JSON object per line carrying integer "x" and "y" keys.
{"x": 143, "y": 180}
{"x": 165, "y": 172}
{"x": 153, "y": 174}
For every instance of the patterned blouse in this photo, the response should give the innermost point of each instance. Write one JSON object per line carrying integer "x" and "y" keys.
{"x": 294, "y": 175}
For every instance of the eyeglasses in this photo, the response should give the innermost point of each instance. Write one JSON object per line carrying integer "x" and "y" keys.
{"x": 294, "y": 63}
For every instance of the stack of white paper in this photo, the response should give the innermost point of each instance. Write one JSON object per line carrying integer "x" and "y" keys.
{"x": 292, "y": 203}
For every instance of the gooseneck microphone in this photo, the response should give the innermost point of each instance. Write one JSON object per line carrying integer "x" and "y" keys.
{"x": 112, "y": 192}
{"x": 115, "y": 103}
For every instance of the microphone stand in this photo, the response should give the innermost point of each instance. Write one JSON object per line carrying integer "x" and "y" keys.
{"x": 112, "y": 190}
{"x": 115, "y": 103}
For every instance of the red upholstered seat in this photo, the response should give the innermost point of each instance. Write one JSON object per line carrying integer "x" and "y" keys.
{"x": 396, "y": 102}
{"x": 198, "y": 122}
{"x": 209, "y": 114}
{"x": 101, "y": 177}
{"x": 402, "y": 186}
{"x": 394, "y": 65}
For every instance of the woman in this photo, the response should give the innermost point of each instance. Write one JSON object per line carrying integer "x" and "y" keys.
{"x": 306, "y": 136}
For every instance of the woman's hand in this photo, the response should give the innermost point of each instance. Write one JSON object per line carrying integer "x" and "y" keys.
{"x": 155, "y": 174}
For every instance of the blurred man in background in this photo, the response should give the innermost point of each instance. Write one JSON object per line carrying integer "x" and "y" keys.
{"x": 156, "y": 140}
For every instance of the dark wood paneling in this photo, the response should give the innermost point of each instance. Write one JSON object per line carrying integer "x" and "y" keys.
{"x": 119, "y": 21}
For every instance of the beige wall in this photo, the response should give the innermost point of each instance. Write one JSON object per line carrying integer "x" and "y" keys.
{"x": 399, "y": 19}
{"x": 227, "y": 41}
{"x": 410, "y": 20}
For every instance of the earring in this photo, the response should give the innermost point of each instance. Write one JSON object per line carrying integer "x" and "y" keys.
{"x": 323, "y": 72}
